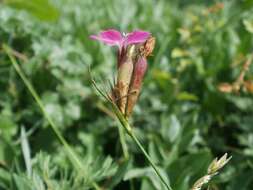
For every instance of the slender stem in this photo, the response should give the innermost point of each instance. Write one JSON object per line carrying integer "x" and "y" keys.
{"x": 120, "y": 128}
{"x": 95, "y": 185}
{"x": 131, "y": 185}
{"x": 130, "y": 132}
{"x": 150, "y": 160}
{"x": 123, "y": 143}
{"x": 72, "y": 156}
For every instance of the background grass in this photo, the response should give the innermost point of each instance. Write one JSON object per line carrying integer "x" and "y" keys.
{"x": 181, "y": 118}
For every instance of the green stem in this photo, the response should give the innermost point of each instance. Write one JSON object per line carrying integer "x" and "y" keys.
{"x": 72, "y": 156}
{"x": 123, "y": 143}
{"x": 131, "y": 185}
{"x": 149, "y": 160}
{"x": 130, "y": 132}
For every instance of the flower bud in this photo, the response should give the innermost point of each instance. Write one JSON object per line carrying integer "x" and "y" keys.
{"x": 136, "y": 84}
{"x": 125, "y": 71}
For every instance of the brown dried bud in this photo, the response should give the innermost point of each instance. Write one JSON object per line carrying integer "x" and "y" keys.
{"x": 148, "y": 47}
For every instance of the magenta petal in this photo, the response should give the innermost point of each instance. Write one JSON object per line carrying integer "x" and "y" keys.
{"x": 137, "y": 36}
{"x": 111, "y": 34}
{"x": 110, "y": 37}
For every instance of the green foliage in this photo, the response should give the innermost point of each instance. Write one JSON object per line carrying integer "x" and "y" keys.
{"x": 182, "y": 118}
{"x": 39, "y": 8}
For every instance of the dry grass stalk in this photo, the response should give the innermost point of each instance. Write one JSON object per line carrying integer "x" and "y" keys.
{"x": 240, "y": 82}
{"x": 212, "y": 170}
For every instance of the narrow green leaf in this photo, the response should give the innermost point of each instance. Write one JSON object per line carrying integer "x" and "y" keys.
{"x": 26, "y": 151}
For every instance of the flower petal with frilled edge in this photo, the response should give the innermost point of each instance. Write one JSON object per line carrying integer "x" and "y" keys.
{"x": 110, "y": 37}
{"x": 137, "y": 36}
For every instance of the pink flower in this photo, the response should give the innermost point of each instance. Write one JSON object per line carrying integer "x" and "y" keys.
{"x": 113, "y": 37}
{"x": 134, "y": 48}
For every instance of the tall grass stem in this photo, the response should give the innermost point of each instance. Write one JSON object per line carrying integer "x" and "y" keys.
{"x": 72, "y": 156}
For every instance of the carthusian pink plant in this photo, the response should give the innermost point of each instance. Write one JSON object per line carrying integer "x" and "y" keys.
{"x": 133, "y": 49}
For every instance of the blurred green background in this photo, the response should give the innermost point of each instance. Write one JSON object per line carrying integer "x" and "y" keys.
{"x": 182, "y": 118}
